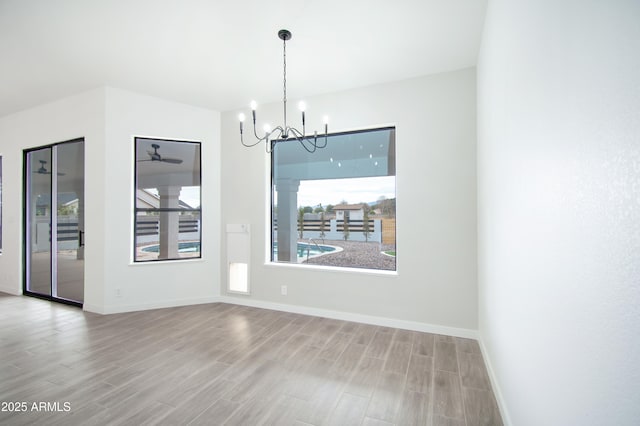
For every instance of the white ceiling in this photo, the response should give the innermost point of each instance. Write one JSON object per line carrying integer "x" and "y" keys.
{"x": 220, "y": 54}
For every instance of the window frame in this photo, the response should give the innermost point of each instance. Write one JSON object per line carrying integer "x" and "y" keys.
{"x": 271, "y": 238}
{"x": 136, "y": 209}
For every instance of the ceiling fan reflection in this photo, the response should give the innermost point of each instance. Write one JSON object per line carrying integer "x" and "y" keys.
{"x": 155, "y": 156}
{"x": 43, "y": 169}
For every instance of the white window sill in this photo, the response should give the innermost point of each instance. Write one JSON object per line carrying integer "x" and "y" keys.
{"x": 377, "y": 272}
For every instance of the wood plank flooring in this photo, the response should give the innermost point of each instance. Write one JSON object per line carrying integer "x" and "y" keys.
{"x": 221, "y": 364}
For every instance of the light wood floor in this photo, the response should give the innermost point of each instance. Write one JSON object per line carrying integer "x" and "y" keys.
{"x": 224, "y": 364}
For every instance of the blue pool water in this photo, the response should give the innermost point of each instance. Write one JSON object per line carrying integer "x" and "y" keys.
{"x": 188, "y": 247}
{"x": 313, "y": 249}
{"x": 194, "y": 246}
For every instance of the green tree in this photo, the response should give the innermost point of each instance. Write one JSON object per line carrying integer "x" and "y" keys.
{"x": 319, "y": 209}
{"x": 387, "y": 206}
{"x": 329, "y": 208}
{"x": 391, "y": 208}
{"x": 308, "y": 209}
{"x": 67, "y": 210}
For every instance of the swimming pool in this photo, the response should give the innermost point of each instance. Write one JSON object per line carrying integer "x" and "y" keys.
{"x": 304, "y": 249}
{"x": 186, "y": 247}
{"x": 313, "y": 250}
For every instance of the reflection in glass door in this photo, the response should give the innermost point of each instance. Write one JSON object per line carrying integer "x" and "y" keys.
{"x": 54, "y": 225}
{"x": 69, "y": 223}
{"x": 38, "y": 223}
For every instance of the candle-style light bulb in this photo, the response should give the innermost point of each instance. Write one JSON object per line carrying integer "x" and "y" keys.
{"x": 254, "y": 105}
{"x": 241, "y": 118}
{"x": 302, "y": 107}
{"x": 267, "y": 128}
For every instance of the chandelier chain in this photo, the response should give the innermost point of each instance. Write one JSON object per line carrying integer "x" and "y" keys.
{"x": 284, "y": 79}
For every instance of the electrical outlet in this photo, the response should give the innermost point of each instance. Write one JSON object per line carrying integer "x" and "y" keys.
{"x": 118, "y": 292}
{"x": 283, "y": 290}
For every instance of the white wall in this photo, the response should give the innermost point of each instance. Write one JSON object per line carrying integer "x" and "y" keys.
{"x": 77, "y": 116}
{"x": 108, "y": 119}
{"x": 436, "y": 209}
{"x": 559, "y": 210}
{"x": 157, "y": 284}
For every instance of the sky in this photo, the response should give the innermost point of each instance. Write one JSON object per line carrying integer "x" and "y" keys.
{"x": 191, "y": 195}
{"x": 188, "y": 194}
{"x": 327, "y": 191}
{"x": 354, "y": 190}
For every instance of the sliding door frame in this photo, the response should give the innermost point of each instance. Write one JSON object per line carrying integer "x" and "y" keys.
{"x": 26, "y": 240}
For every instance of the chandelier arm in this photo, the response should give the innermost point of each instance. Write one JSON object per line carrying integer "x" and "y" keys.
{"x": 315, "y": 143}
{"x": 271, "y": 143}
{"x": 303, "y": 135}
{"x": 302, "y": 139}
{"x": 264, "y": 138}
{"x": 297, "y": 133}
{"x": 309, "y": 150}
{"x": 280, "y": 130}
{"x": 255, "y": 132}
{"x": 274, "y": 139}
{"x": 266, "y": 134}
{"x": 325, "y": 141}
{"x": 249, "y": 145}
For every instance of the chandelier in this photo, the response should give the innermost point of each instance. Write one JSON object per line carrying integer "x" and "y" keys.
{"x": 284, "y": 132}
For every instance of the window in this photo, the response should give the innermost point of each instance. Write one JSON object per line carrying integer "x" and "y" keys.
{"x": 337, "y": 205}
{"x": 167, "y": 200}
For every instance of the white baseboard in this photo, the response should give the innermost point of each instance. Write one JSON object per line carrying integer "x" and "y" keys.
{"x": 348, "y": 316}
{"x": 93, "y": 309}
{"x": 117, "y": 309}
{"x": 502, "y": 406}
{"x": 11, "y": 290}
{"x": 305, "y": 310}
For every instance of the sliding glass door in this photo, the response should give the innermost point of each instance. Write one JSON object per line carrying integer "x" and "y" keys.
{"x": 38, "y": 223}
{"x": 54, "y": 222}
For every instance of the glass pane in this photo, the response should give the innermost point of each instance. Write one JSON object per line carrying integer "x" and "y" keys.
{"x": 336, "y": 206}
{"x": 167, "y": 165}
{"x": 155, "y": 241}
{"x": 70, "y": 221}
{"x": 39, "y": 221}
{"x": 167, "y": 199}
